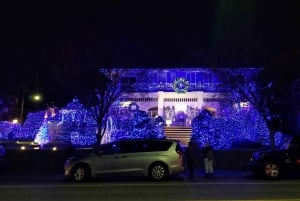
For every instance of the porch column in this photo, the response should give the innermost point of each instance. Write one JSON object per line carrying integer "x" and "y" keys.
{"x": 160, "y": 103}
{"x": 200, "y": 99}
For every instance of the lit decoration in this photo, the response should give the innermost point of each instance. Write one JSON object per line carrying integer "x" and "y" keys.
{"x": 15, "y": 121}
{"x": 279, "y": 138}
{"x": 51, "y": 111}
{"x": 8, "y": 130}
{"x": 42, "y": 135}
{"x": 136, "y": 124}
{"x": 181, "y": 107}
{"x": 74, "y": 124}
{"x": 77, "y": 125}
{"x": 245, "y": 128}
{"x": 31, "y": 126}
{"x": 133, "y": 107}
{"x": 244, "y": 104}
{"x": 58, "y": 128}
{"x": 180, "y": 85}
{"x": 168, "y": 122}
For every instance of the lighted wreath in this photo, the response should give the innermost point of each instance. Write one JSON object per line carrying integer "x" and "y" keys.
{"x": 181, "y": 85}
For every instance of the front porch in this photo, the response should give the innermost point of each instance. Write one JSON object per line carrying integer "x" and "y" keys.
{"x": 181, "y": 133}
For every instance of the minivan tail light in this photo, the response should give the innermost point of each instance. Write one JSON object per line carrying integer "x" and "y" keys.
{"x": 180, "y": 158}
{"x": 178, "y": 150}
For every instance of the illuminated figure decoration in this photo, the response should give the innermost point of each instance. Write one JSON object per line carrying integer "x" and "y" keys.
{"x": 51, "y": 111}
{"x": 74, "y": 124}
{"x": 137, "y": 124}
{"x": 133, "y": 107}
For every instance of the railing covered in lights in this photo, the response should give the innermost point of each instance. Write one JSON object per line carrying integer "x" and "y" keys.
{"x": 146, "y": 87}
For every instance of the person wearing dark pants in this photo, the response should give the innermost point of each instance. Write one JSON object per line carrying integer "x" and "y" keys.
{"x": 208, "y": 160}
{"x": 190, "y": 159}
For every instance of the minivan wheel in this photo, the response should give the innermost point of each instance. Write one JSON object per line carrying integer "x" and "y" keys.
{"x": 271, "y": 170}
{"x": 81, "y": 173}
{"x": 158, "y": 171}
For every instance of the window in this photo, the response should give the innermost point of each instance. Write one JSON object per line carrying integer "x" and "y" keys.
{"x": 158, "y": 145}
{"x": 110, "y": 149}
{"x": 128, "y": 80}
{"x": 162, "y": 77}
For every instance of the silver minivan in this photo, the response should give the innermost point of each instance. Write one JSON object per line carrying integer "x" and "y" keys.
{"x": 156, "y": 158}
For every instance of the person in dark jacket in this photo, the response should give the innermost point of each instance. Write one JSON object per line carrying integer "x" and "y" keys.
{"x": 208, "y": 160}
{"x": 2, "y": 156}
{"x": 190, "y": 159}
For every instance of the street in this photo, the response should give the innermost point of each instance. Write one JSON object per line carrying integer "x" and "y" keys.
{"x": 232, "y": 187}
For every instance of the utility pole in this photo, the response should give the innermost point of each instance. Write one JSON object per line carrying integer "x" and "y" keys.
{"x": 22, "y": 109}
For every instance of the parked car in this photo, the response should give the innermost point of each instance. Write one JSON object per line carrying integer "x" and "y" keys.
{"x": 156, "y": 158}
{"x": 274, "y": 163}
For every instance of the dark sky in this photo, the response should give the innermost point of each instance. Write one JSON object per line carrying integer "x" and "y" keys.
{"x": 43, "y": 42}
{"x": 141, "y": 33}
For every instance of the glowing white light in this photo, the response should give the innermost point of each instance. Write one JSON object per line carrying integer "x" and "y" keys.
{"x": 15, "y": 121}
{"x": 37, "y": 97}
{"x": 125, "y": 103}
{"x": 244, "y": 104}
{"x": 54, "y": 148}
{"x": 181, "y": 107}
{"x": 168, "y": 122}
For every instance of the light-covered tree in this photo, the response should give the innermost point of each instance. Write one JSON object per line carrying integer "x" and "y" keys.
{"x": 102, "y": 96}
{"x": 256, "y": 90}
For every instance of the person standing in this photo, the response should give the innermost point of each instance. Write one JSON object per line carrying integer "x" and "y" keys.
{"x": 190, "y": 159}
{"x": 208, "y": 160}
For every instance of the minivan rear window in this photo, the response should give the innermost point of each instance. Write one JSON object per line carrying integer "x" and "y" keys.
{"x": 157, "y": 145}
{"x": 144, "y": 146}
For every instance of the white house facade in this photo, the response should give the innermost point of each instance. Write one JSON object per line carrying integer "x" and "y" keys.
{"x": 178, "y": 94}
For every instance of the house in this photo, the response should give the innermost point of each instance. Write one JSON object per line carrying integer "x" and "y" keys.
{"x": 177, "y": 94}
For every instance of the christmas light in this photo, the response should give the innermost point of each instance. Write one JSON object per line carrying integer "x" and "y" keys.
{"x": 235, "y": 123}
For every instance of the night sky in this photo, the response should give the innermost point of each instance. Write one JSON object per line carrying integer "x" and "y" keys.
{"x": 41, "y": 44}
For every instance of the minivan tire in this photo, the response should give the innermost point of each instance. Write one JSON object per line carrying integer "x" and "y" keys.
{"x": 81, "y": 173}
{"x": 158, "y": 171}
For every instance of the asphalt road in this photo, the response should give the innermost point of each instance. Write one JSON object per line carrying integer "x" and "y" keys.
{"x": 227, "y": 185}
{"x": 143, "y": 190}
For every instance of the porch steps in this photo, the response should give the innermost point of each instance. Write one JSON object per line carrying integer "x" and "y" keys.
{"x": 181, "y": 133}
